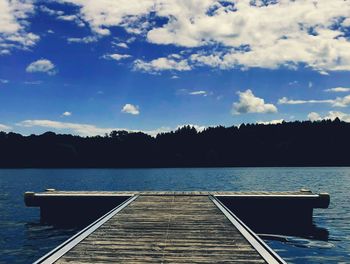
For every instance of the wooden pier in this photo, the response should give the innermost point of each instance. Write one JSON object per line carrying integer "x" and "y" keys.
{"x": 166, "y": 227}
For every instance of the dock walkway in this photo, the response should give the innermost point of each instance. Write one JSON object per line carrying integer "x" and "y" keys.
{"x": 165, "y": 229}
{"x": 173, "y": 227}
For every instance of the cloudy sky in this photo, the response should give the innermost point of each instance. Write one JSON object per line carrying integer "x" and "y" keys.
{"x": 87, "y": 67}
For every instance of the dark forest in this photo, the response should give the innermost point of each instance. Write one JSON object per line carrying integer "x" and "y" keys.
{"x": 321, "y": 143}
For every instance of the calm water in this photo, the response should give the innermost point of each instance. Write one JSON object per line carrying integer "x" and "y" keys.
{"x": 24, "y": 239}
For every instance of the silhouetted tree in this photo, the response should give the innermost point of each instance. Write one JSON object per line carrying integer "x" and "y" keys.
{"x": 320, "y": 143}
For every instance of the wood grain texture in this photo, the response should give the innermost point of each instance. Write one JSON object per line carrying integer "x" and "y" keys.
{"x": 165, "y": 229}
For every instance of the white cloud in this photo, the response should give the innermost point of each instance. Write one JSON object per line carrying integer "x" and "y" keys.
{"x": 67, "y": 113}
{"x": 346, "y": 22}
{"x": 155, "y": 132}
{"x": 82, "y": 129}
{"x": 3, "y": 81}
{"x": 42, "y": 65}
{"x": 51, "y": 12}
{"x": 342, "y": 101}
{"x": 338, "y": 102}
{"x": 249, "y": 103}
{"x": 162, "y": 64}
{"x": 88, "y": 39}
{"x": 285, "y": 100}
{"x": 5, "y": 127}
{"x": 288, "y": 33}
{"x": 67, "y": 17}
{"x": 14, "y": 25}
{"x": 72, "y": 18}
{"x": 122, "y": 45}
{"x": 204, "y": 93}
{"x": 271, "y": 122}
{"x": 116, "y": 56}
{"x": 60, "y": 15}
{"x": 313, "y": 116}
{"x": 338, "y": 90}
{"x": 130, "y": 109}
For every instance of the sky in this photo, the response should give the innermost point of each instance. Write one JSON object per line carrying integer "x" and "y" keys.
{"x": 88, "y": 67}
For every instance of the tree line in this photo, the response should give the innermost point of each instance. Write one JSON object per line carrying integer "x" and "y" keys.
{"x": 321, "y": 143}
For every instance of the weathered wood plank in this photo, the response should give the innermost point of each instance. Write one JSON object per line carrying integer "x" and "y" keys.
{"x": 166, "y": 229}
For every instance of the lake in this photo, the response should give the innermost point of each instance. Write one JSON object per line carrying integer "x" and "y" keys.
{"x": 24, "y": 239}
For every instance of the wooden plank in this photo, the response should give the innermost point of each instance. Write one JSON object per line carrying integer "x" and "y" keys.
{"x": 166, "y": 229}
{"x": 267, "y": 254}
{"x": 55, "y": 254}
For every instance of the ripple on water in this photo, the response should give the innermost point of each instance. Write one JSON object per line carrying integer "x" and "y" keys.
{"x": 24, "y": 239}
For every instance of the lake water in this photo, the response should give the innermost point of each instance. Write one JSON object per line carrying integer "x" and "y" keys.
{"x": 24, "y": 239}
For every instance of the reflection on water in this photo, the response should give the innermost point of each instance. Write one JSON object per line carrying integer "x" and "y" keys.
{"x": 306, "y": 242}
{"x": 25, "y": 239}
{"x": 313, "y": 232}
{"x": 31, "y": 242}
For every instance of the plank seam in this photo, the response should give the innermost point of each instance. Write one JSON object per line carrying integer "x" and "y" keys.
{"x": 167, "y": 231}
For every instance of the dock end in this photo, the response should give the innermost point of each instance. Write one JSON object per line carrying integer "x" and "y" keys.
{"x": 324, "y": 200}
{"x": 29, "y": 198}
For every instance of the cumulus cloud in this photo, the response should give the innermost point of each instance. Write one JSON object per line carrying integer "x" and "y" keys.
{"x": 342, "y": 101}
{"x": 116, "y": 56}
{"x": 67, "y": 113}
{"x": 162, "y": 64}
{"x": 4, "y": 81}
{"x": 42, "y": 65}
{"x": 338, "y": 102}
{"x": 288, "y": 33}
{"x": 271, "y": 122}
{"x": 5, "y": 127}
{"x": 313, "y": 116}
{"x": 249, "y": 103}
{"x": 130, "y": 109}
{"x": 14, "y": 24}
{"x": 338, "y": 90}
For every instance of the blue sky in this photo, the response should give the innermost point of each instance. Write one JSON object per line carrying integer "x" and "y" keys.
{"x": 88, "y": 67}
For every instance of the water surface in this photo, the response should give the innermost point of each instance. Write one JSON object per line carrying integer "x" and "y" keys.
{"x": 24, "y": 239}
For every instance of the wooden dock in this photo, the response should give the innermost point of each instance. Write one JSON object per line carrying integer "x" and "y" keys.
{"x": 166, "y": 227}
